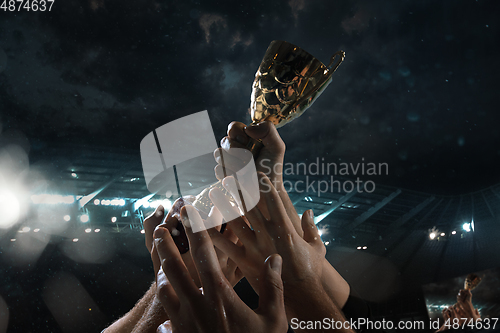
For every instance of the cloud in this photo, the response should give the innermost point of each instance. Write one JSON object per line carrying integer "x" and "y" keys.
{"x": 207, "y": 21}
{"x": 296, "y": 6}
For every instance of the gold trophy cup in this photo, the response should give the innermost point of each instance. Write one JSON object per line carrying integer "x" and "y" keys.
{"x": 471, "y": 281}
{"x": 286, "y": 84}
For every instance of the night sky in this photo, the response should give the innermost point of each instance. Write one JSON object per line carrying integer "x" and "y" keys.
{"x": 418, "y": 90}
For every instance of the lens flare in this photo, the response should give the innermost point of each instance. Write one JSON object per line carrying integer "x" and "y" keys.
{"x": 10, "y": 209}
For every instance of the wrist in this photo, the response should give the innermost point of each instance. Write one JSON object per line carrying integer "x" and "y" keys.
{"x": 304, "y": 298}
{"x": 335, "y": 286}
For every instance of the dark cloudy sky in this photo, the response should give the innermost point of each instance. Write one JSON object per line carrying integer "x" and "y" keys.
{"x": 418, "y": 89}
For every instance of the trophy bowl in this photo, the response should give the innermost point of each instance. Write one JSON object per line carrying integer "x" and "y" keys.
{"x": 288, "y": 82}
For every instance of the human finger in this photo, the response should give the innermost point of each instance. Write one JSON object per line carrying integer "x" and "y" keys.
{"x": 232, "y": 250}
{"x": 268, "y": 134}
{"x": 311, "y": 232}
{"x": 280, "y": 224}
{"x": 236, "y": 131}
{"x": 214, "y": 219}
{"x": 166, "y": 293}
{"x": 202, "y": 251}
{"x": 247, "y": 197}
{"x": 150, "y": 224}
{"x": 232, "y": 216}
{"x": 155, "y": 259}
{"x": 233, "y": 160}
{"x": 271, "y": 300}
{"x": 173, "y": 265}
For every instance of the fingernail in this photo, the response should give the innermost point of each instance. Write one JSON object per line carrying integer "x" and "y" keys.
{"x": 159, "y": 211}
{"x": 275, "y": 263}
{"x": 310, "y": 214}
{"x": 159, "y": 232}
{"x": 242, "y": 139}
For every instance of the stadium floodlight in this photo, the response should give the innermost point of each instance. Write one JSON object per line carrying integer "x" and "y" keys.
{"x": 52, "y": 199}
{"x": 84, "y": 218}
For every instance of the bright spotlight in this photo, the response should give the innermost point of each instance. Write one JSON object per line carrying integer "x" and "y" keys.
{"x": 74, "y": 175}
{"x": 75, "y": 240}
{"x": 143, "y": 231}
{"x": 432, "y": 235}
{"x": 365, "y": 247}
{"x": 320, "y": 232}
{"x": 146, "y": 204}
{"x": 472, "y": 225}
{"x": 97, "y": 230}
{"x": 121, "y": 202}
{"x": 327, "y": 243}
{"x": 36, "y": 230}
{"x": 466, "y": 227}
{"x": 442, "y": 234}
{"x": 12, "y": 239}
{"x": 453, "y": 232}
{"x": 113, "y": 219}
{"x": 97, "y": 202}
{"x": 67, "y": 218}
{"x": 10, "y": 209}
{"x": 88, "y": 230}
{"x": 359, "y": 248}
{"x": 84, "y": 218}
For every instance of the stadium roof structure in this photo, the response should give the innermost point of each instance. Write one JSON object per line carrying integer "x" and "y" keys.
{"x": 389, "y": 222}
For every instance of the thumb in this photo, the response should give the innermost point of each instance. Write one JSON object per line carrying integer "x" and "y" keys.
{"x": 271, "y": 300}
{"x": 311, "y": 234}
{"x": 268, "y": 133}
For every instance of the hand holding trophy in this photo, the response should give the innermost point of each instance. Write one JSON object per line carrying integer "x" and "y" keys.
{"x": 286, "y": 84}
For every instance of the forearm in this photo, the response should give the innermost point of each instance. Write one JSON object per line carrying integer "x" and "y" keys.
{"x": 334, "y": 285}
{"x": 127, "y": 323}
{"x": 153, "y": 317}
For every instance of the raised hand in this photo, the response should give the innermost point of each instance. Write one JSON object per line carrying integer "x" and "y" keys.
{"x": 269, "y": 161}
{"x": 464, "y": 305}
{"x": 261, "y": 236}
{"x": 173, "y": 224}
{"x": 216, "y": 307}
